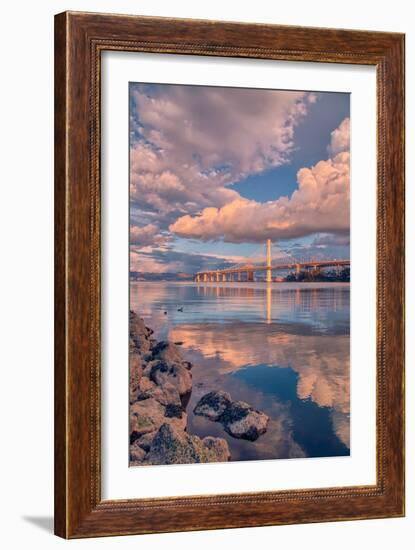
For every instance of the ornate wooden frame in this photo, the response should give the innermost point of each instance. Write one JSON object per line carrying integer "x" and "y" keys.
{"x": 79, "y": 40}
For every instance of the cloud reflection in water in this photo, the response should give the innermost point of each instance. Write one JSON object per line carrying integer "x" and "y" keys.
{"x": 284, "y": 349}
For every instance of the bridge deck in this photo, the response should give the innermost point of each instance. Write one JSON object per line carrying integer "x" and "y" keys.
{"x": 276, "y": 267}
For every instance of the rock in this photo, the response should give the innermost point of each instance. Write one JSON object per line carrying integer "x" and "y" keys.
{"x": 213, "y": 405}
{"x": 167, "y": 353}
{"x": 136, "y": 373}
{"x": 147, "y": 416}
{"x": 212, "y": 449}
{"x": 170, "y": 354}
{"x": 243, "y": 422}
{"x": 146, "y": 385}
{"x": 219, "y": 446}
{"x": 239, "y": 419}
{"x": 176, "y": 374}
{"x": 146, "y": 419}
{"x": 137, "y": 454}
{"x": 160, "y": 387}
{"x": 145, "y": 441}
{"x": 166, "y": 395}
{"x": 148, "y": 366}
{"x": 173, "y": 411}
{"x": 140, "y": 334}
{"x": 171, "y": 446}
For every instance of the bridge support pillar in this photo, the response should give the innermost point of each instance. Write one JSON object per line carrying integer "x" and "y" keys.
{"x": 205, "y": 277}
{"x": 224, "y": 278}
{"x": 269, "y": 272}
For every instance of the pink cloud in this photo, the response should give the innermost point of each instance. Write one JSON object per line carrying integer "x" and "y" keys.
{"x": 148, "y": 235}
{"x": 196, "y": 141}
{"x": 320, "y": 205}
{"x": 168, "y": 186}
{"x": 145, "y": 263}
{"x": 340, "y": 138}
{"x": 254, "y": 127}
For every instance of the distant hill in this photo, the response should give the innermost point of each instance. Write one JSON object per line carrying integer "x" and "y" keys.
{"x": 329, "y": 276}
{"x": 140, "y": 276}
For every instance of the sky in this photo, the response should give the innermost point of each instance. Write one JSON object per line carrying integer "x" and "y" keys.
{"x": 215, "y": 172}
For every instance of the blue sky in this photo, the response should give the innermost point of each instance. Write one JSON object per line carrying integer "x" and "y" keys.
{"x": 216, "y": 171}
{"x": 311, "y": 139}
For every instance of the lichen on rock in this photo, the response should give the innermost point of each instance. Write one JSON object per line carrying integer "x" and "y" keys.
{"x": 239, "y": 419}
{"x": 160, "y": 385}
{"x": 171, "y": 446}
{"x": 213, "y": 405}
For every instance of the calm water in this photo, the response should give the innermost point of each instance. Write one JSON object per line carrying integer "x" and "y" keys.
{"x": 283, "y": 348}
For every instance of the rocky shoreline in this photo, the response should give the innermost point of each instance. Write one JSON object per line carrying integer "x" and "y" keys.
{"x": 160, "y": 388}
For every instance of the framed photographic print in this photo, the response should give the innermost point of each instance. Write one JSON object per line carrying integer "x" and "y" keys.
{"x": 229, "y": 277}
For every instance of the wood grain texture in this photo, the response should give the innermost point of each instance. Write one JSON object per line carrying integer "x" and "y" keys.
{"x": 79, "y": 40}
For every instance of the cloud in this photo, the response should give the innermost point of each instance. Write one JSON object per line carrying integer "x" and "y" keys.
{"x": 340, "y": 138}
{"x": 148, "y": 235}
{"x": 322, "y": 363}
{"x": 159, "y": 183}
{"x": 145, "y": 263}
{"x": 323, "y": 246}
{"x": 189, "y": 142}
{"x": 162, "y": 260}
{"x": 327, "y": 240}
{"x": 319, "y": 205}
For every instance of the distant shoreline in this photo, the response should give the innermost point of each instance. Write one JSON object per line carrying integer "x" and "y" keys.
{"x": 244, "y": 283}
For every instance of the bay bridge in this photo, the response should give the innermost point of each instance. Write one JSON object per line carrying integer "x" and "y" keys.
{"x": 246, "y": 272}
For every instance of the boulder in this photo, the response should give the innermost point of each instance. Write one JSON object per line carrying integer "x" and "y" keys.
{"x": 140, "y": 334}
{"x": 213, "y": 405}
{"x": 239, "y": 419}
{"x": 167, "y": 352}
{"x": 161, "y": 373}
{"x": 146, "y": 386}
{"x": 173, "y": 411}
{"x": 145, "y": 441}
{"x": 148, "y": 415}
{"x": 137, "y": 454}
{"x": 167, "y": 395}
{"x": 172, "y": 446}
{"x": 243, "y": 422}
{"x": 136, "y": 373}
{"x": 219, "y": 446}
{"x": 170, "y": 354}
{"x": 145, "y": 420}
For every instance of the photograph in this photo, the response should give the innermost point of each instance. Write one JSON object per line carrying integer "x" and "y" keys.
{"x": 239, "y": 274}
{"x": 217, "y": 288}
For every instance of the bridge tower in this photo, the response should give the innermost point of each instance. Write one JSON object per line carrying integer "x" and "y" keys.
{"x": 269, "y": 272}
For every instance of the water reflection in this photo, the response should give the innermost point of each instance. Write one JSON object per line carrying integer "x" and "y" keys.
{"x": 283, "y": 348}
